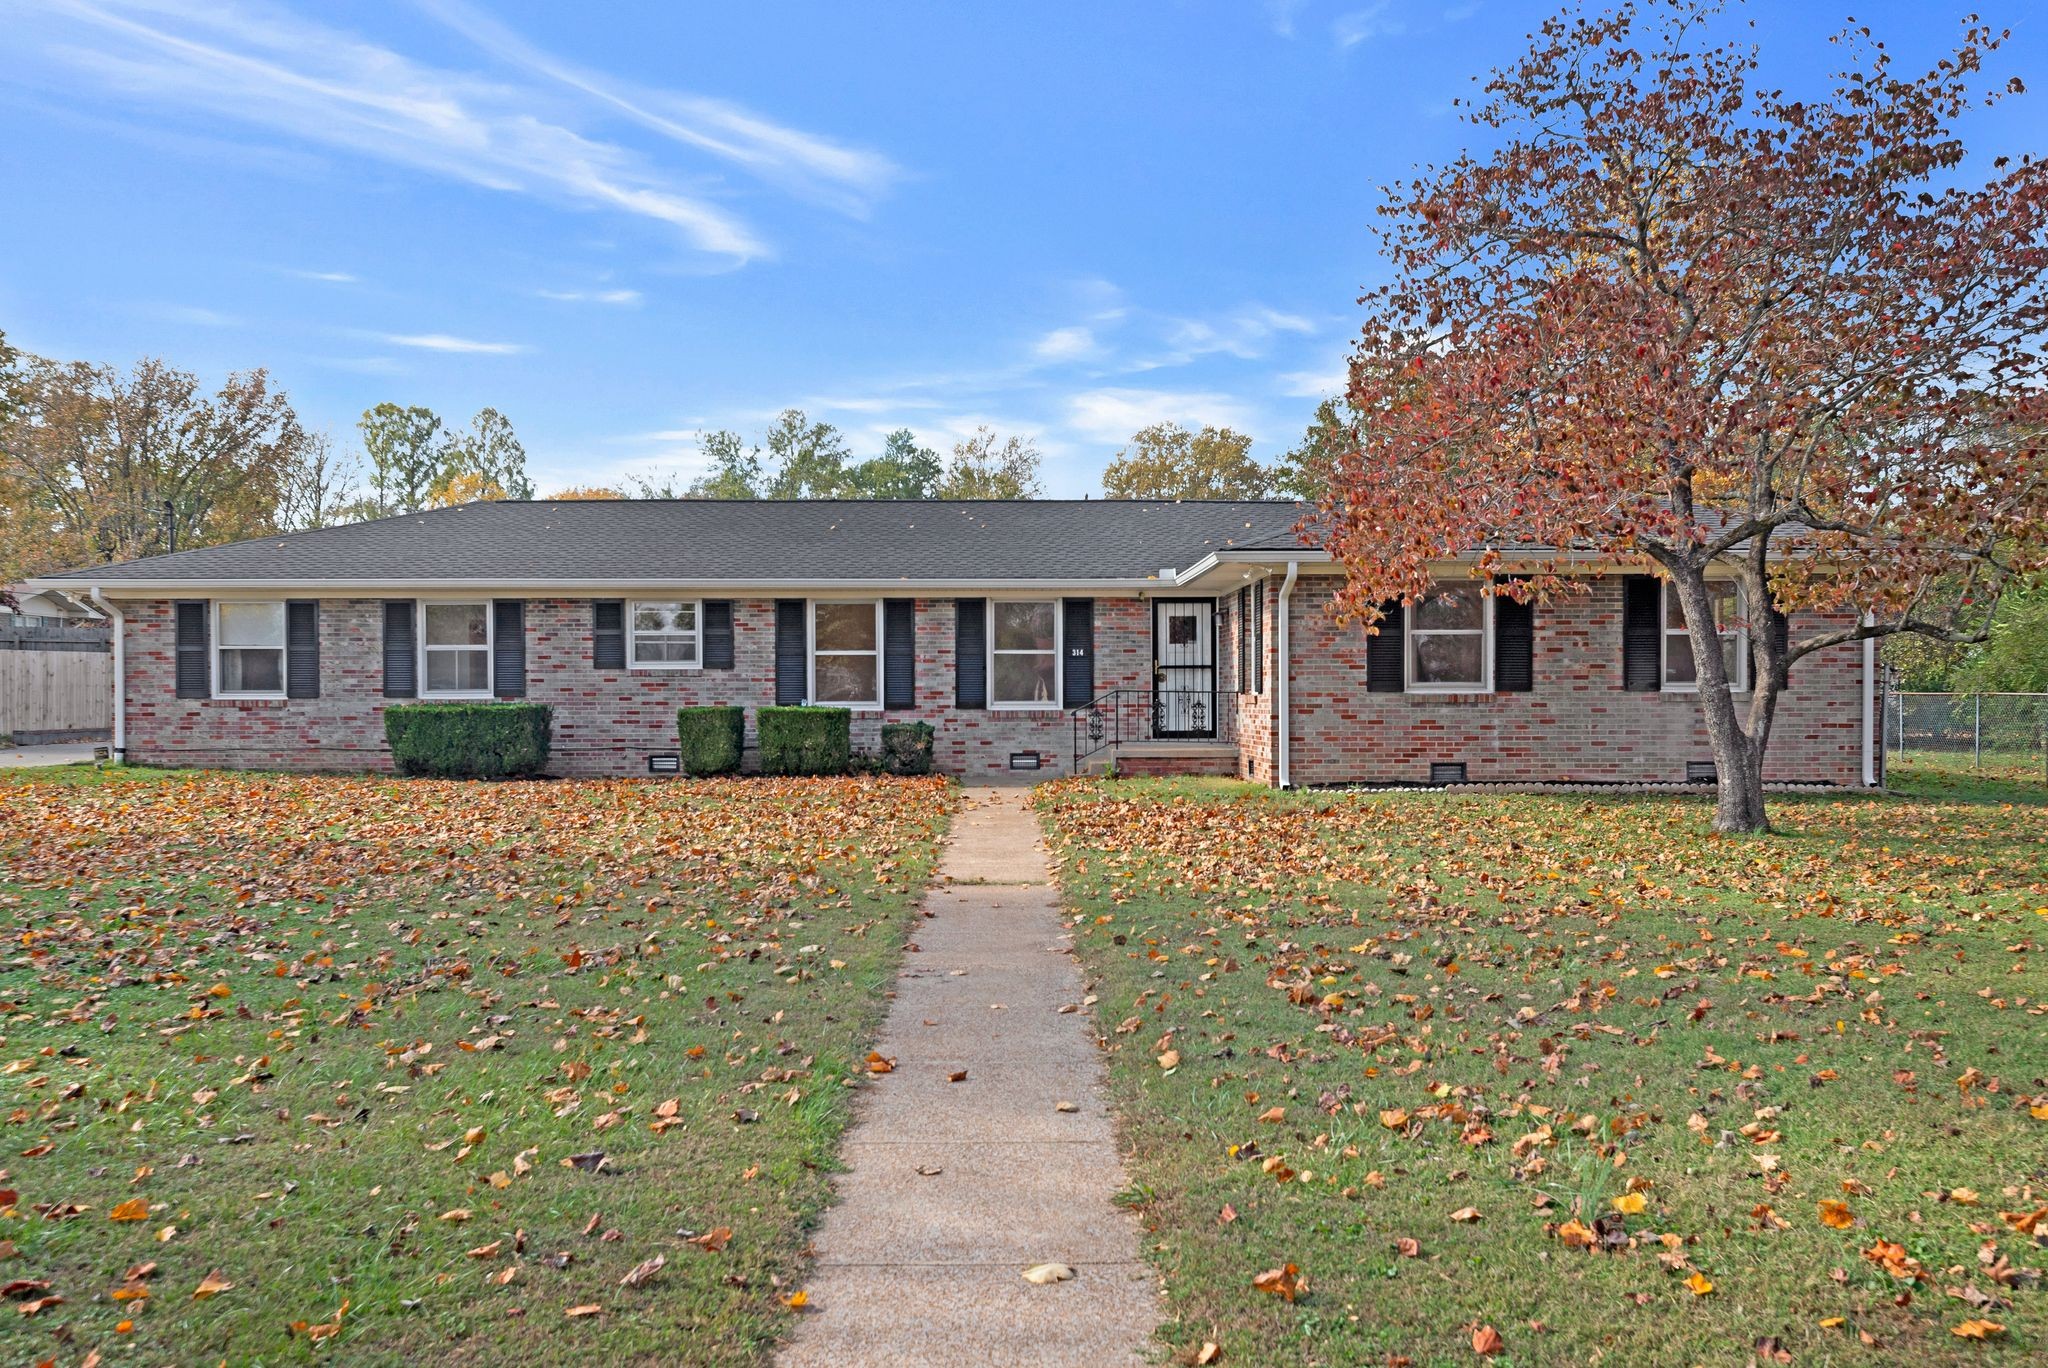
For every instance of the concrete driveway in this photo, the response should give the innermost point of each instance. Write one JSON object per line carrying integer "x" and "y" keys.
{"x": 65, "y": 753}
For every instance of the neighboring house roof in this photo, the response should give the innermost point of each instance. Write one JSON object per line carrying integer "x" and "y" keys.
{"x": 714, "y": 541}
{"x": 32, "y": 601}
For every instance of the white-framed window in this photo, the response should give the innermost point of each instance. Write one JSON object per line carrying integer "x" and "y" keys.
{"x": 665, "y": 635}
{"x": 1681, "y": 671}
{"x": 249, "y": 649}
{"x": 455, "y": 649}
{"x": 1024, "y": 653}
{"x": 1448, "y": 640}
{"x": 846, "y": 653}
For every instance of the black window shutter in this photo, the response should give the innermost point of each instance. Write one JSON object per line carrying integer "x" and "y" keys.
{"x": 789, "y": 652}
{"x": 970, "y": 653}
{"x": 1077, "y": 671}
{"x": 195, "y": 672}
{"x": 508, "y": 647}
{"x": 1259, "y": 637}
{"x": 1642, "y": 634}
{"x": 1514, "y": 646}
{"x": 401, "y": 661}
{"x": 302, "y": 649}
{"x": 1384, "y": 670}
{"x": 899, "y": 653}
{"x": 718, "y": 634}
{"x": 608, "y": 634}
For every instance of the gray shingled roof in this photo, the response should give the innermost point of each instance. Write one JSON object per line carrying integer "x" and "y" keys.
{"x": 703, "y": 540}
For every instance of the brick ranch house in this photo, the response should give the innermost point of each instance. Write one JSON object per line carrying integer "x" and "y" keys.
{"x": 1039, "y": 635}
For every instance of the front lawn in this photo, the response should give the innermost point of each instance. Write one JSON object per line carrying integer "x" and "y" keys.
{"x": 1573, "y": 1078}
{"x": 382, "y": 1072}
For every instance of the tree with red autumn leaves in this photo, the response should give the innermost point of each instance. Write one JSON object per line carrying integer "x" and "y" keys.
{"x": 1675, "y": 322}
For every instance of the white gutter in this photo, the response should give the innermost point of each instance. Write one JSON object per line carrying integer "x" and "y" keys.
{"x": 120, "y": 626}
{"x": 1282, "y": 667}
{"x": 583, "y": 588}
{"x": 1869, "y": 706}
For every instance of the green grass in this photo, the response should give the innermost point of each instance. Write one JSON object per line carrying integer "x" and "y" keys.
{"x": 300, "y": 1021}
{"x": 1556, "y": 1000}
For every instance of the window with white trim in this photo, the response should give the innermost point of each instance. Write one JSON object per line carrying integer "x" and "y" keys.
{"x": 455, "y": 646}
{"x": 1447, "y": 640}
{"x": 249, "y": 659}
{"x": 846, "y": 653}
{"x": 1024, "y": 653}
{"x": 664, "y": 636}
{"x": 1681, "y": 670}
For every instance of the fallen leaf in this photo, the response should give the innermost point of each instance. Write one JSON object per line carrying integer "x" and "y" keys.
{"x": 644, "y": 1270}
{"x": 1977, "y": 1330}
{"x": 587, "y": 1309}
{"x": 212, "y": 1285}
{"x": 1836, "y": 1214}
{"x": 134, "y": 1209}
{"x": 1486, "y": 1341}
{"x": 1042, "y": 1274}
{"x": 1466, "y": 1215}
{"x": 1285, "y": 1282}
{"x": 1700, "y": 1284}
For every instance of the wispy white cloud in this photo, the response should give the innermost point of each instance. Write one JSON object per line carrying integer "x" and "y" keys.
{"x": 617, "y": 297}
{"x": 849, "y": 178}
{"x": 1111, "y": 415}
{"x": 1314, "y": 384}
{"x": 326, "y": 277}
{"x": 444, "y": 342}
{"x": 1362, "y": 25}
{"x": 1064, "y": 344}
{"x": 252, "y": 63}
{"x": 1246, "y": 334}
{"x": 192, "y": 315}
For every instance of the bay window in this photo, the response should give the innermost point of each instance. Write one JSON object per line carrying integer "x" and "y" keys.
{"x": 250, "y": 659}
{"x": 1447, "y": 640}
{"x": 1681, "y": 669}
{"x": 456, "y": 648}
{"x": 846, "y": 654}
{"x": 664, "y": 636}
{"x": 1024, "y": 653}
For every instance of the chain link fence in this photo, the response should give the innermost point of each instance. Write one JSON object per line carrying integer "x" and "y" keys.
{"x": 2002, "y": 734}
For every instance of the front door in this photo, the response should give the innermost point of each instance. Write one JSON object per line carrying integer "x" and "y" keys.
{"x": 1184, "y": 667}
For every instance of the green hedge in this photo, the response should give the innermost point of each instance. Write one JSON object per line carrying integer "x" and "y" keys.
{"x": 805, "y": 740}
{"x": 470, "y": 740}
{"x": 711, "y": 739}
{"x": 907, "y": 747}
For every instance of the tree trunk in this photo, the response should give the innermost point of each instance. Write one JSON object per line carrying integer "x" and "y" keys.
{"x": 1738, "y": 756}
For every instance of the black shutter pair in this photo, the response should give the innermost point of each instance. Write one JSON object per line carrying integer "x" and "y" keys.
{"x": 899, "y": 653}
{"x": 194, "y": 672}
{"x": 608, "y": 634}
{"x": 401, "y": 648}
{"x": 1514, "y": 648}
{"x": 970, "y": 652}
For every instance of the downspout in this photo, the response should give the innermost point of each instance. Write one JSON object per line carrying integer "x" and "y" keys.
{"x": 120, "y": 673}
{"x": 1283, "y": 668}
{"x": 1869, "y": 706}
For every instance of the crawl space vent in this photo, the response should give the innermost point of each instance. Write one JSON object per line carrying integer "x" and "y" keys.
{"x": 1023, "y": 760}
{"x": 1701, "y": 772}
{"x": 1447, "y": 772}
{"x": 664, "y": 764}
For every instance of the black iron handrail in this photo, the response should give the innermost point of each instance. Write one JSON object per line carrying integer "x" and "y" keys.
{"x": 1128, "y": 715}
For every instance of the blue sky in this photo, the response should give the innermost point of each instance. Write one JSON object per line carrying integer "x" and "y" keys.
{"x": 623, "y": 224}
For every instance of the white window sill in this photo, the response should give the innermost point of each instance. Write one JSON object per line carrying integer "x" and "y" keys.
{"x": 1450, "y": 690}
{"x": 457, "y": 697}
{"x": 1027, "y": 707}
{"x": 663, "y": 667}
{"x": 248, "y": 698}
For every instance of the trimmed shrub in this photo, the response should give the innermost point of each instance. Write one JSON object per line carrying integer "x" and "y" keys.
{"x": 907, "y": 747}
{"x": 711, "y": 739}
{"x": 805, "y": 740}
{"x": 470, "y": 740}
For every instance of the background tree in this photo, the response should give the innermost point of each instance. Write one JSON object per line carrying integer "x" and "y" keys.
{"x": 1689, "y": 325}
{"x": 1166, "y": 461}
{"x": 735, "y": 471}
{"x": 90, "y": 457}
{"x": 904, "y": 470}
{"x": 484, "y": 457}
{"x": 985, "y": 467}
{"x": 404, "y": 450}
{"x": 808, "y": 459}
{"x": 580, "y": 492}
{"x": 321, "y": 488}
{"x": 463, "y": 486}
{"x": 2013, "y": 658}
{"x": 1303, "y": 469}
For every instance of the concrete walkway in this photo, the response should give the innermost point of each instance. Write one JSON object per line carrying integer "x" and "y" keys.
{"x": 62, "y": 753}
{"x": 954, "y": 1189}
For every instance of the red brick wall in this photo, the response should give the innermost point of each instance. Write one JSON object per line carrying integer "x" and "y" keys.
{"x": 1578, "y": 724}
{"x": 606, "y": 722}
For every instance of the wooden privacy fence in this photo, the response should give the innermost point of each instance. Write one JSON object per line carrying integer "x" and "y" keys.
{"x": 55, "y": 684}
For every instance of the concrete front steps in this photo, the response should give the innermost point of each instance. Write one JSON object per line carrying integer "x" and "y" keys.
{"x": 1160, "y": 759}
